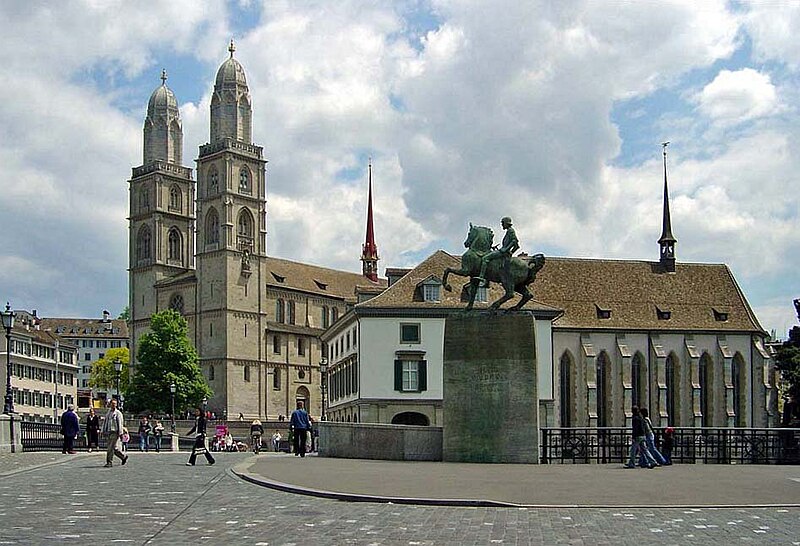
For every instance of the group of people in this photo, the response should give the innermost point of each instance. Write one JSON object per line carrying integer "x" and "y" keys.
{"x": 150, "y": 432}
{"x": 643, "y": 447}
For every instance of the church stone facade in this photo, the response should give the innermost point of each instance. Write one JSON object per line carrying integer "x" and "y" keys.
{"x": 199, "y": 246}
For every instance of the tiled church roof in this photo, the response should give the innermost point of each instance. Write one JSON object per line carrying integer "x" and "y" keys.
{"x": 77, "y": 327}
{"x": 632, "y": 293}
{"x": 315, "y": 279}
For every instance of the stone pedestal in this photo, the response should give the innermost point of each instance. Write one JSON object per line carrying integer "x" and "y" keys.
{"x": 173, "y": 441}
{"x": 491, "y": 404}
{"x": 10, "y": 434}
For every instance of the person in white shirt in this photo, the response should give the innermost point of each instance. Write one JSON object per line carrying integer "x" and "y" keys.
{"x": 113, "y": 426}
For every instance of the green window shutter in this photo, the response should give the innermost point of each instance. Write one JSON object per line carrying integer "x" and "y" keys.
{"x": 398, "y": 375}
{"x": 422, "y": 375}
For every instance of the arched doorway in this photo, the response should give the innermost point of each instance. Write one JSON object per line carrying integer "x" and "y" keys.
{"x": 411, "y": 418}
{"x": 302, "y": 395}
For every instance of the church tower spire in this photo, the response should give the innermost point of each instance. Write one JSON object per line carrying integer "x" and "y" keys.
{"x": 369, "y": 251}
{"x": 231, "y": 110}
{"x": 667, "y": 241}
{"x": 163, "y": 133}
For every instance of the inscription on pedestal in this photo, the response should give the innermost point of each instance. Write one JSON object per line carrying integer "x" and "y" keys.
{"x": 490, "y": 399}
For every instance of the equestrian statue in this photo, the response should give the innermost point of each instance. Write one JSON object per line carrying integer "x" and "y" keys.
{"x": 483, "y": 263}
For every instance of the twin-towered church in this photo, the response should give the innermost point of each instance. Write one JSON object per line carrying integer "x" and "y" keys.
{"x": 677, "y": 338}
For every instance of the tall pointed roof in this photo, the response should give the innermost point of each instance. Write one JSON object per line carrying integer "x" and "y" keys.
{"x": 369, "y": 251}
{"x": 666, "y": 223}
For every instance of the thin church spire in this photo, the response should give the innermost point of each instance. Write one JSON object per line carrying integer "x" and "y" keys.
{"x": 667, "y": 241}
{"x": 369, "y": 251}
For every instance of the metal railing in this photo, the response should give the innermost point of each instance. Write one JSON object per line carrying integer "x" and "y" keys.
{"x": 47, "y": 437}
{"x": 690, "y": 445}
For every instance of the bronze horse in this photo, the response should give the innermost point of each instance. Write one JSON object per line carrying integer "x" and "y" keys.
{"x": 519, "y": 272}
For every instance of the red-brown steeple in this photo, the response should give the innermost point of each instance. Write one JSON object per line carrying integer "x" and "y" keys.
{"x": 369, "y": 250}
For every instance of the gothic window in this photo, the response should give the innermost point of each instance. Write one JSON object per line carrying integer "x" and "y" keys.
{"x": 143, "y": 240}
{"x": 247, "y": 373}
{"x": 334, "y": 314}
{"x": 176, "y": 303}
{"x": 245, "y": 185}
{"x": 325, "y": 317}
{"x": 279, "y": 310}
{"x": 244, "y": 229}
{"x": 175, "y": 198}
{"x": 672, "y": 395}
{"x": 603, "y": 394}
{"x": 212, "y": 227}
{"x": 706, "y": 384}
{"x": 144, "y": 199}
{"x": 637, "y": 380}
{"x": 565, "y": 377}
{"x": 213, "y": 181}
{"x": 175, "y": 250}
{"x": 290, "y": 308}
{"x": 276, "y": 379}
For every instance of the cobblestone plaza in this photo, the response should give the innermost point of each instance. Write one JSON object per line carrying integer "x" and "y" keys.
{"x": 47, "y": 498}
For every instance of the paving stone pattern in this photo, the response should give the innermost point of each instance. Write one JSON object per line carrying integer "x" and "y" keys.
{"x": 155, "y": 499}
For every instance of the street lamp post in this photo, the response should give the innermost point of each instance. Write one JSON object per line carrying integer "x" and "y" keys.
{"x": 8, "y": 324}
{"x": 172, "y": 389}
{"x": 323, "y": 384}
{"x": 118, "y": 369}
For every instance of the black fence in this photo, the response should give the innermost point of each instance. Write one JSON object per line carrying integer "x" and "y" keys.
{"x": 690, "y": 445}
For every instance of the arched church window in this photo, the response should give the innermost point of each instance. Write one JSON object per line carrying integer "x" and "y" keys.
{"x": 565, "y": 382}
{"x": 176, "y": 303}
{"x": 245, "y": 224}
{"x": 603, "y": 368}
{"x": 637, "y": 380}
{"x": 671, "y": 372}
{"x": 279, "y": 310}
{"x": 706, "y": 377}
{"x": 175, "y": 198}
{"x": 245, "y": 185}
{"x": 143, "y": 241}
{"x": 213, "y": 180}
{"x": 212, "y": 227}
{"x": 175, "y": 246}
{"x": 739, "y": 403}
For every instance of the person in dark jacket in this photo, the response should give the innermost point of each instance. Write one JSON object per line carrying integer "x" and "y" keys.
{"x": 70, "y": 426}
{"x": 199, "y": 447}
{"x": 300, "y": 424}
{"x": 92, "y": 430}
{"x": 638, "y": 442}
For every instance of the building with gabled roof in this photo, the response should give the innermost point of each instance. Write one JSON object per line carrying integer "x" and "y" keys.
{"x": 677, "y": 338}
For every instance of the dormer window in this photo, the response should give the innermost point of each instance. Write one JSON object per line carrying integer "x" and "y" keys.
{"x": 663, "y": 314}
{"x": 602, "y": 312}
{"x": 321, "y": 285}
{"x": 720, "y": 316}
{"x": 277, "y": 277}
{"x": 429, "y": 290}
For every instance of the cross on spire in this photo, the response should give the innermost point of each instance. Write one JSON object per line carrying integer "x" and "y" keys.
{"x": 232, "y": 48}
{"x": 163, "y": 76}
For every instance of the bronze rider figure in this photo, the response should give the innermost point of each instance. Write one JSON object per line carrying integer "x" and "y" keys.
{"x": 505, "y": 252}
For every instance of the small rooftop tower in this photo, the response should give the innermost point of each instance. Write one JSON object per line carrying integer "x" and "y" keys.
{"x": 667, "y": 242}
{"x": 369, "y": 251}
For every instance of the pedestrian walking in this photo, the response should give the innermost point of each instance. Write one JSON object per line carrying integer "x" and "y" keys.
{"x": 158, "y": 433}
{"x": 92, "y": 430}
{"x": 649, "y": 438}
{"x": 276, "y": 441}
{"x": 300, "y": 424}
{"x": 667, "y": 441}
{"x": 113, "y": 427}
{"x": 199, "y": 447}
{"x": 126, "y": 437}
{"x": 70, "y": 427}
{"x": 638, "y": 443}
{"x": 256, "y": 431}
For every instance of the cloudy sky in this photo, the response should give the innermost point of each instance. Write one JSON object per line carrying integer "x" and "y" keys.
{"x": 552, "y": 112}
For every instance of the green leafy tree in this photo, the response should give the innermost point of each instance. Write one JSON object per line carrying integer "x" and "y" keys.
{"x": 165, "y": 355}
{"x": 126, "y": 314}
{"x": 787, "y": 360}
{"x": 103, "y": 374}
